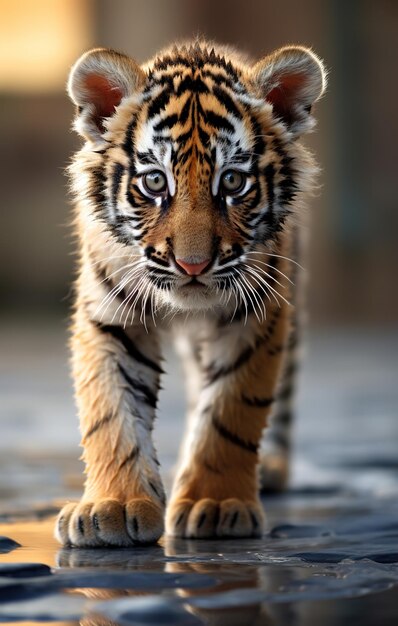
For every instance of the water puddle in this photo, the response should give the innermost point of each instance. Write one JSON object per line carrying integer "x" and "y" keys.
{"x": 342, "y": 563}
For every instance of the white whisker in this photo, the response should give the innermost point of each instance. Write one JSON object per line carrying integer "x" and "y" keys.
{"x": 271, "y": 267}
{"x": 109, "y": 259}
{"x": 274, "y": 292}
{"x": 246, "y": 285}
{"x": 137, "y": 293}
{"x": 262, "y": 271}
{"x": 112, "y": 295}
{"x": 278, "y": 256}
{"x": 265, "y": 285}
{"x": 128, "y": 265}
{"x": 243, "y": 297}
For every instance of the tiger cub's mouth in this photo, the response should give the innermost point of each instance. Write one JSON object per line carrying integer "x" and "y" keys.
{"x": 194, "y": 283}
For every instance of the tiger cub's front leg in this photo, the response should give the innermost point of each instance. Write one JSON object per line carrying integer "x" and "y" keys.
{"x": 117, "y": 377}
{"x": 216, "y": 490}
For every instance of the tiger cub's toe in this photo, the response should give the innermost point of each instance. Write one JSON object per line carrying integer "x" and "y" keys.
{"x": 109, "y": 522}
{"x": 208, "y": 518}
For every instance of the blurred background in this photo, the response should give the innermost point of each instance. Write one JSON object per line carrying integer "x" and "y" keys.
{"x": 355, "y": 217}
{"x": 353, "y": 300}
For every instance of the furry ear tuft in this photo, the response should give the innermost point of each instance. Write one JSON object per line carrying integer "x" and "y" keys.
{"x": 291, "y": 79}
{"x": 98, "y": 82}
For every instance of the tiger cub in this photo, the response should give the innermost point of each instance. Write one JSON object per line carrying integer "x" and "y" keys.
{"x": 189, "y": 190}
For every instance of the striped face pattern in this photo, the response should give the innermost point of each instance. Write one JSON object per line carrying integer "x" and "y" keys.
{"x": 197, "y": 172}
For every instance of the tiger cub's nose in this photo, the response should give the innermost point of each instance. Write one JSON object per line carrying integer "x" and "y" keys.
{"x": 193, "y": 269}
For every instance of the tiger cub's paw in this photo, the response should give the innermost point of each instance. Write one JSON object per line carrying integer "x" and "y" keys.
{"x": 208, "y": 518}
{"x": 110, "y": 523}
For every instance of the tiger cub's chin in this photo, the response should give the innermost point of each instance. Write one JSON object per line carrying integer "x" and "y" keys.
{"x": 193, "y": 298}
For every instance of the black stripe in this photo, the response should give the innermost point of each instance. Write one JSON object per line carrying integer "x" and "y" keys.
{"x": 159, "y": 261}
{"x": 139, "y": 388}
{"x": 96, "y": 187}
{"x": 251, "y": 204}
{"x": 222, "y": 79}
{"x": 167, "y": 122}
{"x": 128, "y": 219}
{"x": 98, "y": 424}
{"x": 164, "y": 284}
{"x": 269, "y": 173}
{"x": 128, "y": 139}
{"x": 117, "y": 174}
{"x": 240, "y": 156}
{"x": 260, "y": 145}
{"x": 184, "y": 113}
{"x": 195, "y": 85}
{"x": 205, "y": 139}
{"x": 287, "y": 191}
{"x": 141, "y": 235}
{"x": 163, "y": 63}
{"x": 243, "y": 198}
{"x": 288, "y": 186}
{"x": 155, "y": 490}
{"x": 159, "y": 103}
{"x": 217, "y": 121}
{"x": 118, "y": 333}
{"x": 130, "y": 457}
{"x": 225, "y": 99}
{"x": 214, "y": 373}
{"x": 147, "y": 158}
{"x": 196, "y": 57}
{"x": 122, "y": 237}
{"x": 183, "y": 138}
{"x": 159, "y": 139}
{"x": 155, "y": 82}
{"x": 232, "y": 438}
{"x": 158, "y": 272}
{"x": 242, "y": 232}
{"x": 134, "y": 187}
{"x": 257, "y": 402}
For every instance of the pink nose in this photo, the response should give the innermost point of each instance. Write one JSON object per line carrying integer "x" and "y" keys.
{"x": 193, "y": 269}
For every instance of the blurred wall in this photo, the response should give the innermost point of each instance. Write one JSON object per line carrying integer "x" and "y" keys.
{"x": 354, "y": 252}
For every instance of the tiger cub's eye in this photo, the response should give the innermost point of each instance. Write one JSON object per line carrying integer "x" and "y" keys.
{"x": 155, "y": 181}
{"x": 232, "y": 181}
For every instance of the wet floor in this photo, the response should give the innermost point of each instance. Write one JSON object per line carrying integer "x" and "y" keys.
{"x": 330, "y": 554}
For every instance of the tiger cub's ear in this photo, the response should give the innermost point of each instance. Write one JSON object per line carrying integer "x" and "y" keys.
{"x": 291, "y": 79}
{"x": 98, "y": 82}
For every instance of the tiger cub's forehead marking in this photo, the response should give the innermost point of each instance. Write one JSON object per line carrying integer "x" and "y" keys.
{"x": 192, "y": 113}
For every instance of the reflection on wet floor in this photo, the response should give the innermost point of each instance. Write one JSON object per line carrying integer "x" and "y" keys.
{"x": 345, "y": 560}
{"x": 330, "y": 554}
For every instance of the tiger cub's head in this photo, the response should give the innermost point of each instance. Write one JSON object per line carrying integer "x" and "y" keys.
{"x": 192, "y": 160}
